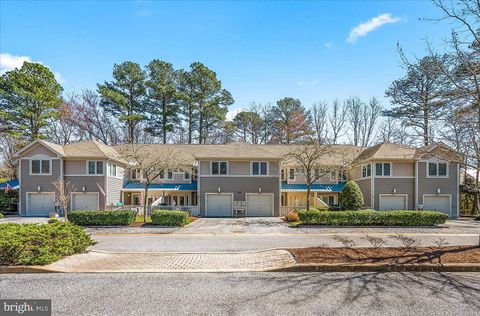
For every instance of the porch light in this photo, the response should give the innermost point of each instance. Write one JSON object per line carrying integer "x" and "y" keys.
{"x": 438, "y": 190}
{"x": 394, "y": 190}
{"x": 259, "y": 189}
{"x": 39, "y": 188}
{"x": 219, "y": 190}
{"x": 84, "y": 189}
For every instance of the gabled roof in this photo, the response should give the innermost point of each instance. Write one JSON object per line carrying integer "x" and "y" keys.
{"x": 91, "y": 149}
{"x": 438, "y": 150}
{"x": 58, "y": 149}
{"x": 387, "y": 151}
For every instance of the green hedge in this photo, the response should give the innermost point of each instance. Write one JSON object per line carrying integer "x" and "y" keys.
{"x": 28, "y": 244}
{"x": 170, "y": 218}
{"x": 1, "y": 215}
{"x": 372, "y": 218}
{"x": 102, "y": 218}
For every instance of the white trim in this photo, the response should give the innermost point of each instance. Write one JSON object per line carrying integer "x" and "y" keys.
{"x": 95, "y": 174}
{"x": 219, "y": 162}
{"x": 257, "y": 194}
{"x": 458, "y": 190}
{"x": 391, "y": 195}
{"x": 89, "y": 175}
{"x": 259, "y": 168}
{"x": 40, "y": 158}
{"x": 38, "y": 141}
{"x": 395, "y": 177}
{"x": 239, "y": 176}
{"x": 372, "y": 186}
{"x": 383, "y": 169}
{"x": 427, "y": 167}
{"x": 85, "y": 193}
{"x": 27, "y": 199}
{"x": 416, "y": 187}
{"x": 211, "y": 193}
{"x": 436, "y": 195}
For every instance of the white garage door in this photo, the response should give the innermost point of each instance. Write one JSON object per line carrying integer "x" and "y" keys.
{"x": 40, "y": 204}
{"x": 218, "y": 205}
{"x": 437, "y": 203}
{"x": 394, "y": 202}
{"x": 259, "y": 205}
{"x": 84, "y": 201}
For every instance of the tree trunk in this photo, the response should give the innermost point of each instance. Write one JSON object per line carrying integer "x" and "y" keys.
{"x": 164, "y": 122}
{"x": 145, "y": 202}
{"x": 308, "y": 196}
{"x": 426, "y": 139}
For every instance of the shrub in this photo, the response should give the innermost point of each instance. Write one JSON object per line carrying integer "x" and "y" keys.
{"x": 40, "y": 243}
{"x": 8, "y": 201}
{"x": 53, "y": 220}
{"x": 1, "y": 215}
{"x": 351, "y": 197}
{"x": 170, "y": 218}
{"x": 292, "y": 216}
{"x": 373, "y": 218}
{"x": 102, "y": 218}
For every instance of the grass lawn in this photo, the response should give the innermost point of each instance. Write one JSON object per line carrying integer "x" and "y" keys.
{"x": 139, "y": 220}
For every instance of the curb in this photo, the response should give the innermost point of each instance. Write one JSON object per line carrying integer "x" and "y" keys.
{"x": 379, "y": 268}
{"x": 26, "y": 269}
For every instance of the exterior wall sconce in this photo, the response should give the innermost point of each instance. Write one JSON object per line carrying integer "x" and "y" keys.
{"x": 438, "y": 191}
{"x": 259, "y": 189}
{"x": 39, "y": 188}
{"x": 394, "y": 190}
{"x": 84, "y": 189}
{"x": 219, "y": 190}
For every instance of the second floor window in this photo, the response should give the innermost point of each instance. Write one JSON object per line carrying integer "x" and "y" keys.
{"x": 437, "y": 169}
{"x": 366, "y": 171}
{"x": 170, "y": 174}
{"x": 342, "y": 176}
{"x": 219, "y": 167}
{"x": 40, "y": 167}
{"x": 259, "y": 168}
{"x": 95, "y": 167}
{"x": 383, "y": 169}
{"x": 112, "y": 169}
{"x": 291, "y": 174}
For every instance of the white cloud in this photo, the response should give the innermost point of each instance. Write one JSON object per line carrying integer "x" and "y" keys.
{"x": 364, "y": 28}
{"x": 10, "y": 62}
{"x": 328, "y": 45}
{"x": 232, "y": 113}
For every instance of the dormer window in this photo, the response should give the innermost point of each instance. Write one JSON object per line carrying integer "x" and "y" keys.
{"x": 40, "y": 166}
{"x": 383, "y": 169}
{"x": 437, "y": 169}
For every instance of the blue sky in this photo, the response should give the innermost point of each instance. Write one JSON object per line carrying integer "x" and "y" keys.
{"x": 261, "y": 51}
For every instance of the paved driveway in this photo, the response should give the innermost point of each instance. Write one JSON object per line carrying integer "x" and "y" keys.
{"x": 23, "y": 220}
{"x": 248, "y": 225}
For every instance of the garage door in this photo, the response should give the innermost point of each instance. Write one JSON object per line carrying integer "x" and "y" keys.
{"x": 437, "y": 203}
{"x": 218, "y": 205}
{"x": 40, "y": 204}
{"x": 85, "y": 201}
{"x": 259, "y": 205}
{"x": 397, "y": 202}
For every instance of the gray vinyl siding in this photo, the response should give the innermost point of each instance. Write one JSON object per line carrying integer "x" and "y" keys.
{"x": 402, "y": 185}
{"x": 239, "y": 186}
{"x": 366, "y": 188}
{"x": 91, "y": 184}
{"x": 30, "y": 183}
{"x": 240, "y": 168}
{"x": 114, "y": 187}
{"x": 446, "y": 185}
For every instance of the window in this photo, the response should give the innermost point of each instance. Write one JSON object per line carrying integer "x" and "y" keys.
{"x": 333, "y": 175}
{"x": 282, "y": 173}
{"x": 40, "y": 167}
{"x": 112, "y": 169}
{"x": 342, "y": 176}
{"x": 186, "y": 175}
{"x": 291, "y": 174}
{"x": 328, "y": 199}
{"x": 219, "y": 167}
{"x": 383, "y": 169}
{"x": 170, "y": 174}
{"x": 259, "y": 168}
{"x": 366, "y": 171}
{"x": 437, "y": 169}
{"x": 95, "y": 167}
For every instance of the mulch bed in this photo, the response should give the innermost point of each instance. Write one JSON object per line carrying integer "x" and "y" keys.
{"x": 388, "y": 255}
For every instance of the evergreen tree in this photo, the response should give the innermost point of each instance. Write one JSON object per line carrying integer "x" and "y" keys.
{"x": 291, "y": 122}
{"x": 351, "y": 198}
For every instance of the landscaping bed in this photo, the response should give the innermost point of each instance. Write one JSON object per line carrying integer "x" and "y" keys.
{"x": 388, "y": 255}
{"x": 39, "y": 244}
{"x": 371, "y": 218}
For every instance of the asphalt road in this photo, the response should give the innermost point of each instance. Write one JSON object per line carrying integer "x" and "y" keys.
{"x": 251, "y": 293}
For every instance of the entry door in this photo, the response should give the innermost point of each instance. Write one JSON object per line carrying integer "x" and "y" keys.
{"x": 259, "y": 205}
{"x": 218, "y": 205}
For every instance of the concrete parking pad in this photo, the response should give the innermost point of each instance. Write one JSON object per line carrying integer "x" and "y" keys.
{"x": 178, "y": 262}
{"x": 251, "y": 225}
{"x": 23, "y": 220}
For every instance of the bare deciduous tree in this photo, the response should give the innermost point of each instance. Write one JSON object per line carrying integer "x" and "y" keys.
{"x": 319, "y": 113}
{"x": 337, "y": 121}
{"x": 63, "y": 194}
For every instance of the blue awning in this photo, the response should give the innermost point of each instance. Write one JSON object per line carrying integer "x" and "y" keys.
{"x": 14, "y": 184}
{"x": 135, "y": 185}
{"x": 290, "y": 187}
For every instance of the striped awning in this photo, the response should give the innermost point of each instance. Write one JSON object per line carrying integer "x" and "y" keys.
{"x": 14, "y": 184}
{"x": 136, "y": 185}
{"x": 290, "y": 187}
